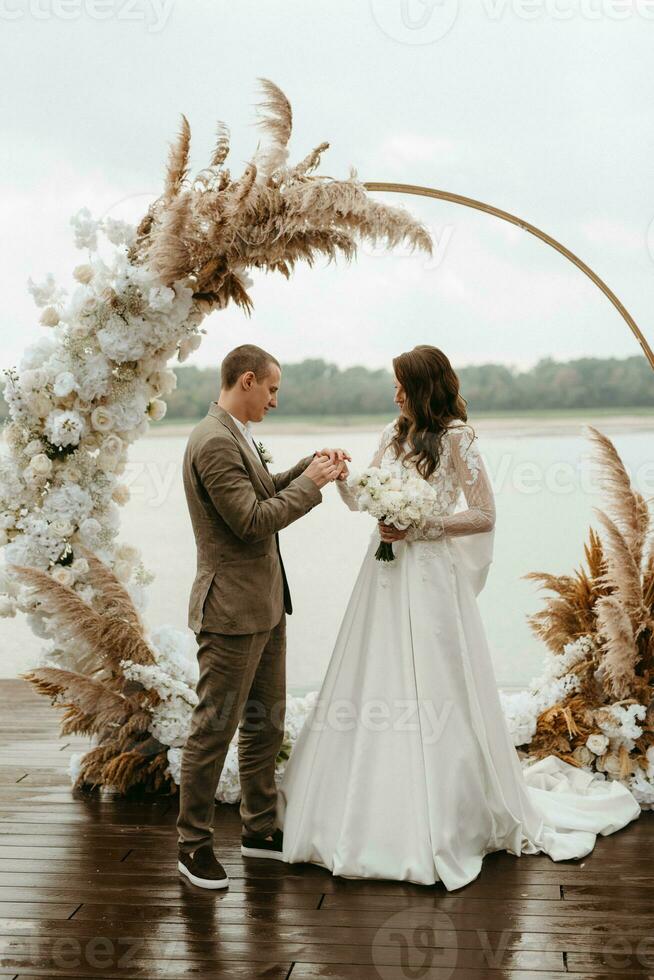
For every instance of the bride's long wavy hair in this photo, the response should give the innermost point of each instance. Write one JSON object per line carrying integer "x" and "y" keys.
{"x": 432, "y": 401}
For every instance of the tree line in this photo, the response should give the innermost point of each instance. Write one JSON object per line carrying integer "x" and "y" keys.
{"x": 317, "y": 387}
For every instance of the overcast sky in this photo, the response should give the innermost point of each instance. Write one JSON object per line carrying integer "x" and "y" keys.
{"x": 543, "y": 109}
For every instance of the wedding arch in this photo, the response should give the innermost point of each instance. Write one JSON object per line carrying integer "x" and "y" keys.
{"x": 90, "y": 387}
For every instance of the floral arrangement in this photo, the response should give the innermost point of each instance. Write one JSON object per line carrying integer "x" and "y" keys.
{"x": 92, "y": 385}
{"x": 593, "y": 706}
{"x": 394, "y": 495}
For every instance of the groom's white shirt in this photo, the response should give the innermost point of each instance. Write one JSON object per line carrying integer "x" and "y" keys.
{"x": 246, "y": 430}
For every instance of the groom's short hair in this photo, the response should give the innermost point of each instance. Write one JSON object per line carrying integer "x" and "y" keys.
{"x": 245, "y": 358}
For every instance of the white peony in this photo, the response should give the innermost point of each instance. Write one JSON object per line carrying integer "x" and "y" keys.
{"x": 64, "y": 428}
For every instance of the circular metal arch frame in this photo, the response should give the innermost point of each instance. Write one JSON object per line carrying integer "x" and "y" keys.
{"x": 513, "y": 219}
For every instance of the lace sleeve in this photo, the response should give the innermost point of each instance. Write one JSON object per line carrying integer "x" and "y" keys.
{"x": 347, "y": 495}
{"x": 477, "y": 490}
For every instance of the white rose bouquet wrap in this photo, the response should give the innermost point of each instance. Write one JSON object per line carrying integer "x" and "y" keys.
{"x": 393, "y": 495}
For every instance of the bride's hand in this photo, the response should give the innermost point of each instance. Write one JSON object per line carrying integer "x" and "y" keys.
{"x": 389, "y": 533}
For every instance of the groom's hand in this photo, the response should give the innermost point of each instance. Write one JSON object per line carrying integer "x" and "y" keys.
{"x": 338, "y": 456}
{"x": 322, "y": 470}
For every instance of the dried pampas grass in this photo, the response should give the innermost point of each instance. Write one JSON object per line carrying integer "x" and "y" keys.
{"x": 208, "y": 230}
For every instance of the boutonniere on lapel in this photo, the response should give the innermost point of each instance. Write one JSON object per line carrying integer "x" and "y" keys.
{"x": 265, "y": 454}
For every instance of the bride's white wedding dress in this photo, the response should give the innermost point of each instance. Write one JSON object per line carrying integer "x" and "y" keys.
{"x": 405, "y": 768}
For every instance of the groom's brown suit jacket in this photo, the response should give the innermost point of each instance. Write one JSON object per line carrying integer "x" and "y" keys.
{"x": 236, "y": 508}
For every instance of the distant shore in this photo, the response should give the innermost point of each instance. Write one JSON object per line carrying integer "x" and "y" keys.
{"x": 565, "y": 422}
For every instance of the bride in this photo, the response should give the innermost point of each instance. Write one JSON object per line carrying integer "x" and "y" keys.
{"x": 404, "y": 768}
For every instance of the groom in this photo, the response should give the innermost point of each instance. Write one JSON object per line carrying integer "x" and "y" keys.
{"x": 238, "y": 607}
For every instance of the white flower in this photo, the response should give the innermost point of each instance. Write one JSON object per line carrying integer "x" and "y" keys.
{"x": 33, "y": 448}
{"x": 120, "y": 494}
{"x": 80, "y": 566}
{"x": 7, "y": 606}
{"x": 38, "y": 353}
{"x": 63, "y": 575}
{"x": 102, "y": 419}
{"x": 161, "y": 298}
{"x": 39, "y": 403}
{"x": 119, "y": 232}
{"x": 89, "y": 530}
{"x": 128, "y": 553}
{"x": 50, "y": 317}
{"x": 64, "y": 428}
{"x": 123, "y": 340}
{"x": 597, "y": 743}
{"x": 64, "y": 384}
{"x": 86, "y": 229}
{"x": 83, "y": 273}
{"x": 583, "y": 755}
{"x": 266, "y": 455}
{"x": 122, "y": 570}
{"x": 157, "y": 409}
{"x": 188, "y": 345}
{"x": 45, "y": 292}
{"x": 61, "y": 527}
{"x": 33, "y": 380}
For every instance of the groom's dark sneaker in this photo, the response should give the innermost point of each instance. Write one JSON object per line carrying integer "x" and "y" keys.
{"x": 203, "y": 868}
{"x": 269, "y": 846}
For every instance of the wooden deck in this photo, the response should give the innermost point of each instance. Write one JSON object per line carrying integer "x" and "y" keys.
{"x": 89, "y": 888}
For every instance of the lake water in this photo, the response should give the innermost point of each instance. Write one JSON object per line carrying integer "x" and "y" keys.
{"x": 545, "y": 494}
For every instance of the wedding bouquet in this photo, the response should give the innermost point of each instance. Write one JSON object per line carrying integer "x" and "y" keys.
{"x": 393, "y": 495}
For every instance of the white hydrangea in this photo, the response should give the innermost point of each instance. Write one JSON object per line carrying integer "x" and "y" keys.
{"x": 46, "y": 292}
{"x": 85, "y": 228}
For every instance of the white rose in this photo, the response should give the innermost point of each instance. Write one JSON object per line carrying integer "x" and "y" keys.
{"x": 112, "y": 445}
{"x": 83, "y": 405}
{"x": 64, "y": 384}
{"x": 120, "y": 494}
{"x": 597, "y": 743}
{"x": 610, "y": 764}
{"x": 101, "y": 419}
{"x": 89, "y": 528}
{"x": 583, "y": 755}
{"x": 83, "y": 273}
{"x": 49, "y": 317}
{"x": 41, "y": 464}
{"x": 62, "y": 528}
{"x": 122, "y": 570}
{"x": 128, "y": 553}
{"x": 157, "y": 409}
{"x": 80, "y": 566}
{"x": 63, "y": 575}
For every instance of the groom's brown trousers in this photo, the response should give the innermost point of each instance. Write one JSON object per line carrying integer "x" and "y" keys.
{"x": 242, "y": 680}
